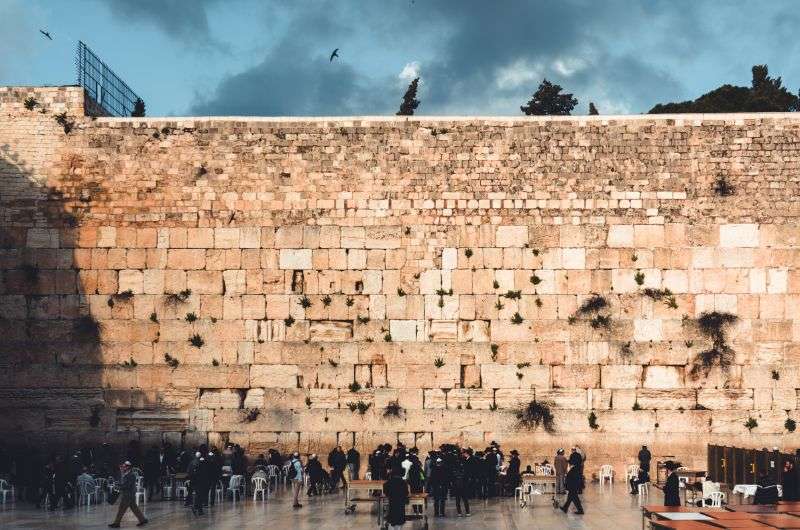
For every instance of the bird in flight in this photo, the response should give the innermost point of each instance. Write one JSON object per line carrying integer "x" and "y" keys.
{"x": 334, "y": 54}
{"x": 46, "y": 34}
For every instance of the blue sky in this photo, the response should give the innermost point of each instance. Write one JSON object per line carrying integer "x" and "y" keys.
{"x": 474, "y": 57}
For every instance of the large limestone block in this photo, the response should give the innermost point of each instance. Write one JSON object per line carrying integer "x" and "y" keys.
{"x": 406, "y": 330}
{"x": 295, "y": 259}
{"x": 473, "y": 331}
{"x": 511, "y": 236}
{"x": 220, "y": 399}
{"x": 576, "y": 376}
{"x": 725, "y": 399}
{"x": 274, "y": 376}
{"x": 331, "y": 331}
{"x": 681, "y": 398}
{"x": 621, "y": 376}
{"x": 620, "y": 236}
{"x": 663, "y": 377}
{"x": 739, "y": 235}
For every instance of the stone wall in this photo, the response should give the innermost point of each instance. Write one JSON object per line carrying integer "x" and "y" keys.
{"x": 437, "y": 263}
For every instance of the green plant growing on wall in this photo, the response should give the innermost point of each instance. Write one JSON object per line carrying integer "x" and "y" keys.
{"x": 354, "y": 387}
{"x": 250, "y": 415}
{"x": 196, "y": 341}
{"x": 387, "y": 337}
{"x": 393, "y": 409}
{"x": 362, "y": 320}
{"x": 349, "y": 301}
{"x": 130, "y": 363}
{"x": 600, "y": 321}
{"x": 520, "y": 375}
{"x": 517, "y": 319}
{"x": 178, "y": 298}
{"x": 535, "y": 280}
{"x": 751, "y": 424}
{"x": 493, "y": 407}
{"x": 171, "y": 361}
{"x": 639, "y": 278}
{"x": 30, "y": 102}
{"x": 776, "y": 375}
{"x": 496, "y": 284}
{"x": 513, "y": 295}
{"x": 535, "y": 414}
{"x": 790, "y": 425}
{"x": 636, "y": 406}
{"x": 326, "y": 300}
{"x": 713, "y": 325}
{"x": 538, "y": 302}
{"x": 625, "y": 349}
{"x": 723, "y": 188}
{"x": 360, "y": 406}
{"x": 400, "y": 291}
{"x": 593, "y": 421}
{"x": 438, "y": 362}
{"x": 661, "y": 295}
{"x": 468, "y": 252}
{"x": 499, "y": 305}
{"x": 288, "y": 321}
{"x": 65, "y": 123}
{"x": 191, "y": 317}
{"x": 593, "y": 304}
{"x": 305, "y": 302}
{"x": 153, "y": 318}
{"x": 214, "y": 362}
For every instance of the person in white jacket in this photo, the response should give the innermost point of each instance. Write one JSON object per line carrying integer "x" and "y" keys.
{"x": 296, "y": 476}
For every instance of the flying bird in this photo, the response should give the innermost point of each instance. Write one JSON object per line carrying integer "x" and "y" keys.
{"x": 334, "y": 54}
{"x": 46, "y": 34}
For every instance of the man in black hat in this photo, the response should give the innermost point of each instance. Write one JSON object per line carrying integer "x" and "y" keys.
{"x": 574, "y": 486}
{"x": 672, "y": 491}
{"x": 644, "y": 458}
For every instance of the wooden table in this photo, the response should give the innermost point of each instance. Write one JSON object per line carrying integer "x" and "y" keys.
{"x": 362, "y": 491}
{"x": 779, "y": 521}
{"x": 649, "y": 509}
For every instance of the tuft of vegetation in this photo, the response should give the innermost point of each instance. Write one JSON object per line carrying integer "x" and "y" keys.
{"x": 713, "y": 325}
{"x": 535, "y": 280}
{"x": 517, "y": 319}
{"x": 359, "y": 406}
{"x": 326, "y": 300}
{"x": 355, "y": 386}
{"x": 333, "y": 363}
{"x": 626, "y": 350}
{"x": 66, "y": 123}
{"x": 790, "y": 425}
{"x": 499, "y": 305}
{"x": 723, "y": 188}
{"x": 438, "y": 362}
{"x": 689, "y": 343}
{"x": 130, "y": 363}
{"x": 593, "y": 421}
{"x": 538, "y": 302}
{"x": 593, "y": 304}
{"x": 520, "y": 375}
{"x": 196, "y": 341}
{"x": 468, "y": 252}
{"x": 349, "y": 301}
{"x": 600, "y": 321}
{"x": 30, "y": 103}
{"x": 636, "y": 406}
{"x": 393, "y": 409}
{"x": 288, "y": 321}
{"x": 191, "y": 317}
{"x": 751, "y": 424}
{"x": 493, "y": 407}
{"x": 308, "y": 402}
{"x": 171, "y": 361}
{"x": 362, "y": 320}
{"x": 153, "y": 318}
{"x": 250, "y": 415}
{"x": 496, "y": 284}
{"x": 549, "y": 101}
{"x": 572, "y": 319}
{"x": 387, "y": 337}
{"x": 442, "y": 292}
{"x": 513, "y": 295}
{"x": 536, "y": 413}
{"x": 520, "y": 366}
{"x": 661, "y": 295}
{"x": 776, "y": 375}
{"x": 86, "y": 328}
{"x": 214, "y": 362}
{"x": 178, "y": 298}
{"x": 639, "y": 277}
{"x": 400, "y": 291}
{"x": 305, "y": 302}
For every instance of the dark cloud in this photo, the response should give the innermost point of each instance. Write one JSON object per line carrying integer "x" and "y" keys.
{"x": 185, "y": 21}
{"x": 478, "y": 56}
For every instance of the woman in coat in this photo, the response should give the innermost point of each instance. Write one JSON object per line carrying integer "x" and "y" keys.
{"x": 396, "y": 490}
{"x": 672, "y": 490}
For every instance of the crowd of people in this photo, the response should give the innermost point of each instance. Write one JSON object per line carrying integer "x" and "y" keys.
{"x": 451, "y": 472}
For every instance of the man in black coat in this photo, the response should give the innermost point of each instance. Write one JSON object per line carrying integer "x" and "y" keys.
{"x": 199, "y": 478}
{"x": 672, "y": 490}
{"x": 643, "y": 477}
{"x": 314, "y": 470}
{"x": 353, "y": 462}
{"x": 337, "y": 461}
{"x": 438, "y": 485}
{"x": 644, "y": 458}
{"x": 573, "y": 483}
{"x": 396, "y": 490}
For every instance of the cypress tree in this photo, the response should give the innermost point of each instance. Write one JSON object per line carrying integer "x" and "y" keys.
{"x": 410, "y": 101}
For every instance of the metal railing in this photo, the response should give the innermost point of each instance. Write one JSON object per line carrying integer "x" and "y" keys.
{"x": 102, "y": 84}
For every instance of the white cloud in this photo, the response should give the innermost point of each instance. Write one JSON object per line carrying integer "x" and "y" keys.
{"x": 518, "y": 73}
{"x": 410, "y": 72}
{"x": 569, "y": 66}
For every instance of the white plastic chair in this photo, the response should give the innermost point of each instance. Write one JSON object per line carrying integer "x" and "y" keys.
{"x": 218, "y": 492}
{"x": 273, "y": 474}
{"x": 6, "y": 489}
{"x": 235, "y": 487}
{"x": 260, "y": 486}
{"x": 368, "y": 475}
{"x": 632, "y": 472}
{"x": 606, "y": 473}
{"x": 181, "y": 490}
{"x": 717, "y": 499}
{"x": 141, "y": 492}
{"x": 88, "y": 492}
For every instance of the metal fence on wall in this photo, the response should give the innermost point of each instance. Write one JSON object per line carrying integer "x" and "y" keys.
{"x": 102, "y": 84}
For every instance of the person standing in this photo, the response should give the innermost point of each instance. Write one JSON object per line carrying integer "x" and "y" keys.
{"x": 560, "y": 464}
{"x": 338, "y": 461}
{"x": 644, "y": 459}
{"x": 396, "y": 490}
{"x": 438, "y": 484}
{"x": 459, "y": 488}
{"x": 127, "y": 496}
{"x": 574, "y": 487}
{"x": 789, "y": 482}
{"x": 672, "y": 491}
{"x": 295, "y": 474}
{"x": 353, "y": 462}
{"x": 200, "y": 484}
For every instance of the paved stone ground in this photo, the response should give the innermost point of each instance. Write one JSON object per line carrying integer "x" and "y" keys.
{"x": 608, "y": 507}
